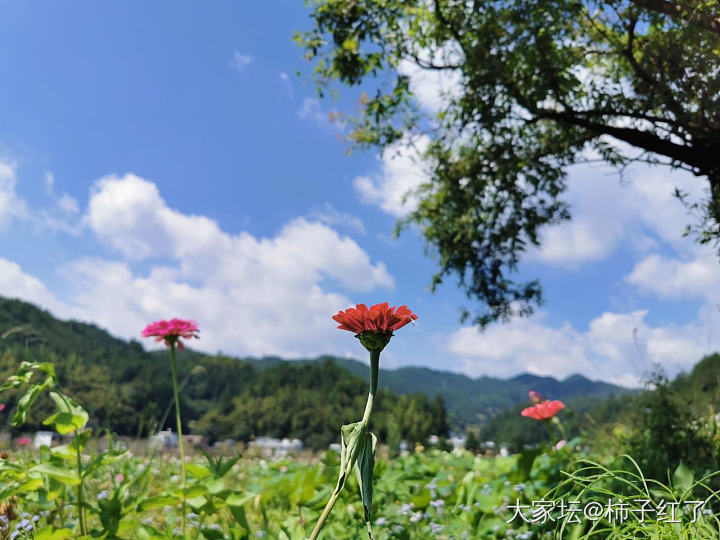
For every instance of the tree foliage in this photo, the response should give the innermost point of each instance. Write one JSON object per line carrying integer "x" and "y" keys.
{"x": 538, "y": 85}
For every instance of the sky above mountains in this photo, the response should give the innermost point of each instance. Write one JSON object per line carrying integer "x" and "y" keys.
{"x": 166, "y": 159}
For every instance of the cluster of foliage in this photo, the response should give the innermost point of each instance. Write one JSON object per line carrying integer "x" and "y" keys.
{"x": 425, "y": 494}
{"x": 667, "y": 425}
{"x": 583, "y": 416}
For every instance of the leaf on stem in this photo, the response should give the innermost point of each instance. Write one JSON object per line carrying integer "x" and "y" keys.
{"x": 352, "y": 440}
{"x": 69, "y": 415}
{"x": 364, "y": 471}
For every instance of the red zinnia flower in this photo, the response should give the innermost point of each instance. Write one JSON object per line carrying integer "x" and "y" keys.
{"x": 2, "y": 407}
{"x": 544, "y": 410}
{"x": 171, "y": 331}
{"x": 380, "y": 318}
{"x": 23, "y": 441}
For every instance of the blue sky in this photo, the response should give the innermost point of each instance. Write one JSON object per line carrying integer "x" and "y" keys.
{"x": 165, "y": 159}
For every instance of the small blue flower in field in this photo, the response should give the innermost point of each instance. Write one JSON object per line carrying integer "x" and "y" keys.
{"x": 437, "y": 503}
{"x": 435, "y": 528}
{"x": 260, "y": 534}
{"x": 381, "y": 521}
{"x": 192, "y": 515}
{"x": 405, "y": 508}
{"x": 417, "y": 516}
{"x": 102, "y": 495}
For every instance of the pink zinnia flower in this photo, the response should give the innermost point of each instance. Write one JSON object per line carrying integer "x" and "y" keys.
{"x": 171, "y": 331}
{"x": 119, "y": 477}
{"x": 535, "y": 397}
{"x": 23, "y": 441}
{"x": 380, "y": 318}
{"x": 2, "y": 407}
{"x": 544, "y": 410}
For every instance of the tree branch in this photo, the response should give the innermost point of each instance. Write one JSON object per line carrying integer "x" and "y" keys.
{"x": 689, "y": 155}
{"x": 675, "y": 10}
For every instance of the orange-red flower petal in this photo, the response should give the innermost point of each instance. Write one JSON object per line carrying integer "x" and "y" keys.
{"x": 380, "y": 318}
{"x": 544, "y": 410}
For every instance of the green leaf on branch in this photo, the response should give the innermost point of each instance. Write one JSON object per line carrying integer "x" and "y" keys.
{"x": 364, "y": 470}
{"x": 159, "y": 501}
{"x": 682, "y": 479}
{"x": 69, "y": 415}
{"x": 66, "y": 476}
{"x": 352, "y": 439}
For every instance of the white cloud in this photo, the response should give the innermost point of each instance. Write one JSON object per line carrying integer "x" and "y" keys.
{"x": 11, "y": 205}
{"x": 312, "y": 110}
{"x": 616, "y": 347}
{"x": 607, "y": 213}
{"x": 240, "y": 61}
{"x": 14, "y": 283}
{"x": 673, "y": 278}
{"x": 288, "y": 85}
{"x": 64, "y": 202}
{"x": 401, "y": 172}
{"x": 58, "y": 217}
{"x": 330, "y": 216}
{"x": 432, "y": 87}
{"x": 250, "y": 295}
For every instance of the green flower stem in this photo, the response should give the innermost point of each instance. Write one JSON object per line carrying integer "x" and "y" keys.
{"x": 551, "y": 436}
{"x": 179, "y": 429}
{"x": 555, "y": 420}
{"x": 374, "y": 372}
{"x": 81, "y": 508}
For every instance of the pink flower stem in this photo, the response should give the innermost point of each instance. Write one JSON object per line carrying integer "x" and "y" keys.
{"x": 81, "y": 507}
{"x": 179, "y": 428}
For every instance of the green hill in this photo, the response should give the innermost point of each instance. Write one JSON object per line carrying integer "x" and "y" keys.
{"x": 475, "y": 401}
{"x": 128, "y": 389}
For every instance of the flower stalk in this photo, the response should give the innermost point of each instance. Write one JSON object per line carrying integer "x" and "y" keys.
{"x": 81, "y": 507}
{"x": 374, "y": 328}
{"x": 178, "y": 421}
{"x": 170, "y": 332}
{"x": 374, "y": 375}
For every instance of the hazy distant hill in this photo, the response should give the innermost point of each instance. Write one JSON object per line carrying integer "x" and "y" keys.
{"x": 470, "y": 400}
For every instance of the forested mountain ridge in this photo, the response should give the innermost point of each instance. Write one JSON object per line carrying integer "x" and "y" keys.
{"x": 128, "y": 389}
{"x": 473, "y": 401}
